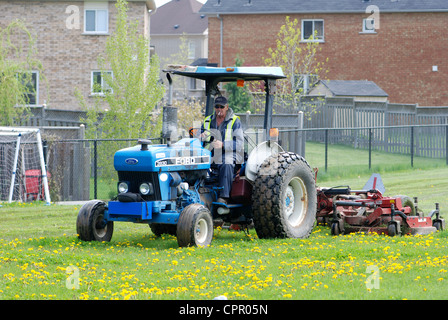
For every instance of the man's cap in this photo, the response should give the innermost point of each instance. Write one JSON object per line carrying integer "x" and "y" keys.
{"x": 220, "y": 101}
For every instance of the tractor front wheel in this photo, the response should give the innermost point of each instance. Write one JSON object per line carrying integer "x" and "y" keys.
{"x": 195, "y": 226}
{"x": 90, "y": 224}
{"x": 284, "y": 200}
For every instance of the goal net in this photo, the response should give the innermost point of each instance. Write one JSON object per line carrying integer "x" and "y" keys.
{"x": 23, "y": 175}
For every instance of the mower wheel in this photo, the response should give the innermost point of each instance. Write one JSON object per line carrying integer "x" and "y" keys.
{"x": 392, "y": 230}
{"x": 335, "y": 229}
{"x": 90, "y": 224}
{"x": 438, "y": 225}
{"x": 195, "y": 226}
{"x": 284, "y": 199}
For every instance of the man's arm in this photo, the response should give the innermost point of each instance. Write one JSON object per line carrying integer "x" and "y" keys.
{"x": 235, "y": 148}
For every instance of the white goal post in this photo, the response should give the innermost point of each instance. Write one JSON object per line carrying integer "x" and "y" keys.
{"x": 23, "y": 141}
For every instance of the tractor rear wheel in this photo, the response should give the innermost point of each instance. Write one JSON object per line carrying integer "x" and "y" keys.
{"x": 284, "y": 199}
{"x": 90, "y": 224}
{"x": 195, "y": 226}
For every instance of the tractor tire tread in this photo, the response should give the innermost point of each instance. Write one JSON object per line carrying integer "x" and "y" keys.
{"x": 268, "y": 220}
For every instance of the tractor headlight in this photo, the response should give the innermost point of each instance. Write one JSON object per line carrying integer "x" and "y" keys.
{"x": 123, "y": 187}
{"x": 146, "y": 188}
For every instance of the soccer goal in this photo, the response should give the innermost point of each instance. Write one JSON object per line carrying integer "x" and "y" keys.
{"x": 23, "y": 175}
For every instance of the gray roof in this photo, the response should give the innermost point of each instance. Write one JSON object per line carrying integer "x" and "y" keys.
{"x": 320, "y": 6}
{"x": 177, "y": 17}
{"x": 354, "y": 88}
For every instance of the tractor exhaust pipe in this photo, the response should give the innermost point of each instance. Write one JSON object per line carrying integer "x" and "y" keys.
{"x": 169, "y": 126}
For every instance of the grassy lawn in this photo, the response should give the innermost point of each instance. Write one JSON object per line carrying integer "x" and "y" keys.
{"x": 42, "y": 258}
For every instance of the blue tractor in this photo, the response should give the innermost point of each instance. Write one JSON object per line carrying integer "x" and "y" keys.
{"x": 173, "y": 187}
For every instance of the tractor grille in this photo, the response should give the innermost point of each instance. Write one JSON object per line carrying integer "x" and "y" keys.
{"x": 135, "y": 178}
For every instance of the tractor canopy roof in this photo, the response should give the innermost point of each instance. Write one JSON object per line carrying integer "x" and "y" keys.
{"x": 215, "y": 74}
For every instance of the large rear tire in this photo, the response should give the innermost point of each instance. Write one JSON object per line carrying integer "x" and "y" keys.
{"x": 195, "y": 226}
{"x": 90, "y": 224}
{"x": 284, "y": 199}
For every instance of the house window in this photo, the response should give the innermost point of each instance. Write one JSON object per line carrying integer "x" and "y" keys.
{"x": 368, "y": 25}
{"x": 191, "y": 50}
{"x": 313, "y": 30}
{"x": 193, "y": 84}
{"x": 99, "y": 85}
{"x": 32, "y": 88}
{"x": 96, "y": 17}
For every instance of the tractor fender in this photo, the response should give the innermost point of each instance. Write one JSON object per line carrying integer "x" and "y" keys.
{"x": 258, "y": 155}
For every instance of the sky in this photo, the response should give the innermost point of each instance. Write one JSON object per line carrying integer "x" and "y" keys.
{"x": 162, "y": 2}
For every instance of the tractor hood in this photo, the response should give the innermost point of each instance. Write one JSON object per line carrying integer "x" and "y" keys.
{"x": 186, "y": 154}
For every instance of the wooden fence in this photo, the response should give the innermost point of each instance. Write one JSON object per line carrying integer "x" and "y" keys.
{"x": 429, "y": 130}
{"x": 326, "y": 113}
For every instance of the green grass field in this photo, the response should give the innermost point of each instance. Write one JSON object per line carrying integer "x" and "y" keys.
{"x": 42, "y": 258}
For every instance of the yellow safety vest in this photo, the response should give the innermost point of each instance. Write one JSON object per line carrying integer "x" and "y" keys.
{"x": 228, "y": 135}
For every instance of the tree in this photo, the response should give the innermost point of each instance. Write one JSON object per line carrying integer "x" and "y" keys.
{"x": 239, "y": 97}
{"x": 297, "y": 59}
{"x": 17, "y": 60}
{"x": 132, "y": 88}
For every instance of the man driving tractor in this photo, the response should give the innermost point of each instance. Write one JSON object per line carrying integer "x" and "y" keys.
{"x": 222, "y": 134}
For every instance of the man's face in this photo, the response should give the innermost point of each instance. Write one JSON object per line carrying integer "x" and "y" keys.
{"x": 221, "y": 111}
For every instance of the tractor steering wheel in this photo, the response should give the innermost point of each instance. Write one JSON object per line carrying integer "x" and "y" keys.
{"x": 193, "y": 132}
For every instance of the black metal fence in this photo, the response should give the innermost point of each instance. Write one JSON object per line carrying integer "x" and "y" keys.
{"x": 82, "y": 169}
{"x": 427, "y": 141}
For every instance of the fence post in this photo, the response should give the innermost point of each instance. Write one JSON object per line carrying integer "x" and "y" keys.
{"x": 446, "y": 143}
{"x": 355, "y": 125}
{"x": 95, "y": 169}
{"x": 300, "y": 137}
{"x": 370, "y": 148}
{"x": 85, "y": 166}
{"x": 412, "y": 146}
{"x": 43, "y": 121}
{"x": 326, "y": 150}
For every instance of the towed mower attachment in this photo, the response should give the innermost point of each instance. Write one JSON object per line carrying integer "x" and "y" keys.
{"x": 367, "y": 210}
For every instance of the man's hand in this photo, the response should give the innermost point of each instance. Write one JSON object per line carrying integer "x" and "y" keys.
{"x": 217, "y": 144}
{"x": 203, "y": 136}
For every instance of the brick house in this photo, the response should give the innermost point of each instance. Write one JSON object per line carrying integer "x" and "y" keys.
{"x": 404, "y": 51}
{"x": 70, "y": 35}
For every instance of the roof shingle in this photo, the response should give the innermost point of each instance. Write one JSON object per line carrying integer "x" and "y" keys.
{"x": 320, "y": 6}
{"x": 354, "y": 88}
{"x": 177, "y": 17}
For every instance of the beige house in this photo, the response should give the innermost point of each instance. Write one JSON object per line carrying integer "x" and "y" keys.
{"x": 174, "y": 22}
{"x": 70, "y": 35}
